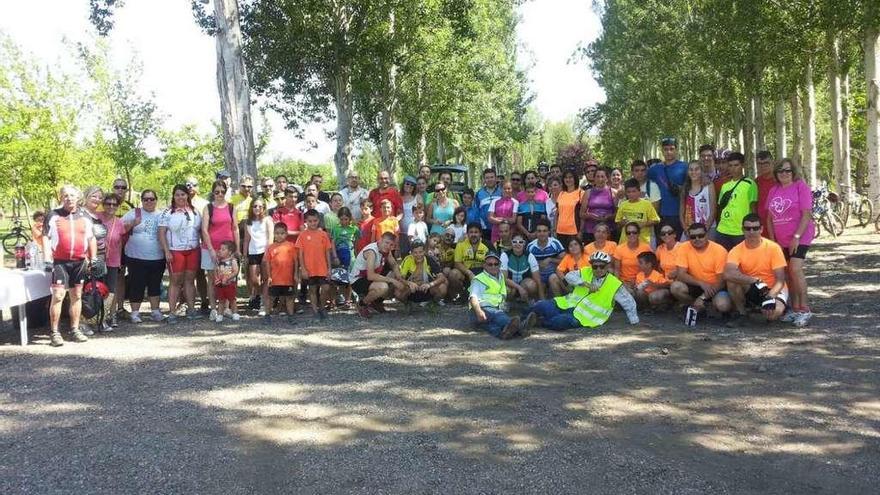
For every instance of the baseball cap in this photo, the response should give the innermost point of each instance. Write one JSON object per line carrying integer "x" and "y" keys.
{"x": 493, "y": 254}
{"x": 222, "y": 174}
{"x": 668, "y": 140}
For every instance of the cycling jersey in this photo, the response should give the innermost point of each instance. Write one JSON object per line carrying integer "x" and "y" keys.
{"x": 69, "y": 234}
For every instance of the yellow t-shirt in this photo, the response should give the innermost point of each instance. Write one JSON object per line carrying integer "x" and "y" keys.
{"x": 641, "y": 211}
{"x": 240, "y": 206}
{"x": 470, "y": 256}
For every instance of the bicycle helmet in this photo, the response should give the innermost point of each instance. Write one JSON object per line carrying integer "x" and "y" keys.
{"x": 600, "y": 257}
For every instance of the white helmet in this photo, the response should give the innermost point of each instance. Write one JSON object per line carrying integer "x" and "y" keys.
{"x": 600, "y": 257}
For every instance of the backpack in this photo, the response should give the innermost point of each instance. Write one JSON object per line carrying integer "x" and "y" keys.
{"x": 93, "y": 302}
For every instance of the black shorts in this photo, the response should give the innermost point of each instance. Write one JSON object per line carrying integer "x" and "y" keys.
{"x": 361, "y": 286}
{"x": 800, "y": 252}
{"x": 69, "y": 274}
{"x": 316, "y": 281}
{"x": 255, "y": 259}
{"x": 418, "y": 297}
{"x": 281, "y": 290}
{"x": 694, "y": 291}
{"x": 111, "y": 278}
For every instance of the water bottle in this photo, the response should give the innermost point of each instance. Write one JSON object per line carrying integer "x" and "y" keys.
{"x": 690, "y": 316}
{"x": 20, "y": 254}
{"x": 33, "y": 259}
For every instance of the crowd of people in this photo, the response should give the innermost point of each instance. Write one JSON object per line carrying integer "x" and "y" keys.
{"x": 563, "y": 244}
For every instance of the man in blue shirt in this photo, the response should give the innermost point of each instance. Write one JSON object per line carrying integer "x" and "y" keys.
{"x": 490, "y": 191}
{"x": 546, "y": 249}
{"x": 669, "y": 176}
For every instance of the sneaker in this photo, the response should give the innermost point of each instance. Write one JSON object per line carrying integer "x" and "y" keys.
{"x": 156, "y": 315}
{"x": 172, "y": 319}
{"x": 136, "y": 317}
{"x": 364, "y": 311}
{"x": 235, "y": 317}
{"x": 218, "y": 318}
{"x": 424, "y": 304}
{"x": 441, "y": 303}
{"x": 114, "y": 322}
{"x": 86, "y": 330}
{"x": 55, "y": 339}
{"x": 213, "y": 315}
{"x": 300, "y": 310}
{"x": 261, "y": 313}
{"x": 738, "y": 320}
{"x": 193, "y": 314}
{"x": 510, "y": 330}
{"x": 105, "y": 327}
{"x": 802, "y": 319}
{"x": 528, "y": 324}
{"x": 78, "y": 335}
{"x": 227, "y": 313}
{"x": 790, "y": 316}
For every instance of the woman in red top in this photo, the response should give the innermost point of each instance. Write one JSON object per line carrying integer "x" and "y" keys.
{"x": 218, "y": 225}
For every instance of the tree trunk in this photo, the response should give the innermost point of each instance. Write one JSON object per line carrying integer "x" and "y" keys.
{"x": 796, "y": 129}
{"x": 781, "y": 138}
{"x": 344, "y": 117}
{"x": 737, "y": 128}
{"x": 389, "y": 103}
{"x": 872, "y": 137}
{"x": 234, "y": 90}
{"x": 422, "y": 145}
{"x": 809, "y": 123}
{"x": 845, "y": 150}
{"x": 441, "y": 148}
{"x": 760, "y": 139}
{"x": 748, "y": 148}
{"x": 833, "y": 46}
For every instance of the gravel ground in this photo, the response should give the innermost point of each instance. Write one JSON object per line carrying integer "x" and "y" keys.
{"x": 413, "y": 404}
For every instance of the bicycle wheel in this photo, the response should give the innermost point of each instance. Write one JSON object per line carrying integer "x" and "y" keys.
{"x": 865, "y": 212}
{"x": 877, "y": 224}
{"x": 842, "y": 209}
{"x": 833, "y": 224}
{"x": 11, "y": 239}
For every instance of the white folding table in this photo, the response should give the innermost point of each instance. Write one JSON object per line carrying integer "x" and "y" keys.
{"x": 19, "y": 287}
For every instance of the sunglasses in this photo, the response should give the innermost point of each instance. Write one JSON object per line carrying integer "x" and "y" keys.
{"x": 148, "y": 199}
{"x": 121, "y": 188}
{"x": 515, "y": 179}
{"x": 192, "y": 184}
{"x": 599, "y": 266}
{"x": 784, "y": 171}
{"x": 517, "y": 242}
{"x": 632, "y": 232}
{"x": 667, "y": 232}
{"x": 697, "y": 236}
{"x": 111, "y": 204}
{"x": 247, "y": 187}
{"x": 440, "y": 189}
{"x": 268, "y": 186}
{"x": 752, "y": 229}
{"x": 493, "y": 263}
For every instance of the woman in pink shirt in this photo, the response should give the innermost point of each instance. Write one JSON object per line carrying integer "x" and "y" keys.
{"x": 531, "y": 179}
{"x": 114, "y": 241}
{"x": 218, "y": 225}
{"x": 503, "y": 210}
{"x": 790, "y": 224}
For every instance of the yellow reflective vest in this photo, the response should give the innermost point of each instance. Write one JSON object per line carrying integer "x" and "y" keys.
{"x": 496, "y": 291}
{"x": 591, "y": 309}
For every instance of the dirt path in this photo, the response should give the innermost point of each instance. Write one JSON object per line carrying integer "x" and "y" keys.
{"x": 411, "y": 404}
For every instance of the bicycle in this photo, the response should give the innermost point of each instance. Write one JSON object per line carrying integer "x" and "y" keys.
{"x": 823, "y": 214}
{"x": 858, "y": 206}
{"x": 18, "y": 236}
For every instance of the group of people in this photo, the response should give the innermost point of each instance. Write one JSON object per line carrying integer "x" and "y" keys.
{"x": 565, "y": 244}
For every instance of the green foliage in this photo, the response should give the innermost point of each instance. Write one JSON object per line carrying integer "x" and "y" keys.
{"x": 298, "y": 171}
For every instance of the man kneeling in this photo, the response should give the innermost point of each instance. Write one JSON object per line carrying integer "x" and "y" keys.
{"x": 376, "y": 276}
{"x": 423, "y": 275}
{"x": 590, "y": 302}
{"x": 488, "y": 293}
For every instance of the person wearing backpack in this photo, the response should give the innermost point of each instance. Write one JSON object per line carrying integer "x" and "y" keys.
{"x": 219, "y": 225}
{"x": 737, "y": 198}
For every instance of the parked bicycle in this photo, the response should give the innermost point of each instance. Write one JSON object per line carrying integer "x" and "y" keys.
{"x": 856, "y": 206}
{"x": 823, "y": 212}
{"x": 19, "y": 235}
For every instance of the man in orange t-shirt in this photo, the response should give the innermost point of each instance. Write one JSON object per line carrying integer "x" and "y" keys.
{"x": 699, "y": 274}
{"x": 314, "y": 253}
{"x": 626, "y": 264}
{"x": 755, "y": 274}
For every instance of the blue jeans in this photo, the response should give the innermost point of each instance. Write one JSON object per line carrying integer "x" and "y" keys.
{"x": 496, "y": 320}
{"x": 553, "y": 317}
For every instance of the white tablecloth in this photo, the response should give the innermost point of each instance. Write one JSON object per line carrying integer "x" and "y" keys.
{"x": 17, "y": 287}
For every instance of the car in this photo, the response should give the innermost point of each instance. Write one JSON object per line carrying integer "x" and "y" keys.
{"x": 459, "y": 173}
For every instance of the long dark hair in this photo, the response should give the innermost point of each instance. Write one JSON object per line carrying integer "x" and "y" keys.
{"x": 182, "y": 188}
{"x": 251, "y": 216}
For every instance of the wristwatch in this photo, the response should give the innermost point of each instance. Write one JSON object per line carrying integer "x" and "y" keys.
{"x": 797, "y": 236}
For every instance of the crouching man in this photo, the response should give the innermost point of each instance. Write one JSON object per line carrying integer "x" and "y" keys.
{"x": 590, "y": 302}
{"x": 488, "y": 294}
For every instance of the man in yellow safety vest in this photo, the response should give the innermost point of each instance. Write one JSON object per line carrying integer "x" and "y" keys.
{"x": 488, "y": 296}
{"x": 590, "y": 302}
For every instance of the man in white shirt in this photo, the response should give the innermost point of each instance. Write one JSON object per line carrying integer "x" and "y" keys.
{"x": 353, "y": 194}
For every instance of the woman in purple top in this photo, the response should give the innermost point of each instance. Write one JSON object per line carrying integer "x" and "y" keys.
{"x": 597, "y": 206}
{"x": 790, "y": 224}
{"x": 531, "y": 178}
{"x": 503, "y": 210}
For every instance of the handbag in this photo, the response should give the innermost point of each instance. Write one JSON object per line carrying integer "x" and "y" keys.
{"x": 725, "y": 198}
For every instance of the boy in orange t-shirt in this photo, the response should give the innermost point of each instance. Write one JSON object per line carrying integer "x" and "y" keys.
{"x": 652, "y": 287}
{"x": 280, "y": 263}
{"x": 314, "y": 253}
{"x": 388, "y": 222}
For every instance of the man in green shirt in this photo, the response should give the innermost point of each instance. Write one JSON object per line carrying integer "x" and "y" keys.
{"x": 736, "y": 199}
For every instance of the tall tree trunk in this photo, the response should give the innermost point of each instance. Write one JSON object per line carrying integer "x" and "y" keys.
{"x": 749, "y": 135}
{"x": 760, "y": 138}
{"x": 422, "y": 145}
{"x": 809, "y": 123}
{"x": 234, "y": 90}
{"x": 441, "y": 148}
{"x": 738, "y": 128}
{"x": 716, "y": 136}
{"x": 389, "y": 98}
{"x": 845, "y": 150}
{"x": 872, "y": 134}
{"x": 832, "y": 43}
{"x": 781, "y": 138}
{"x": 796, "y": 129}
{"x": 344, "y": 118}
